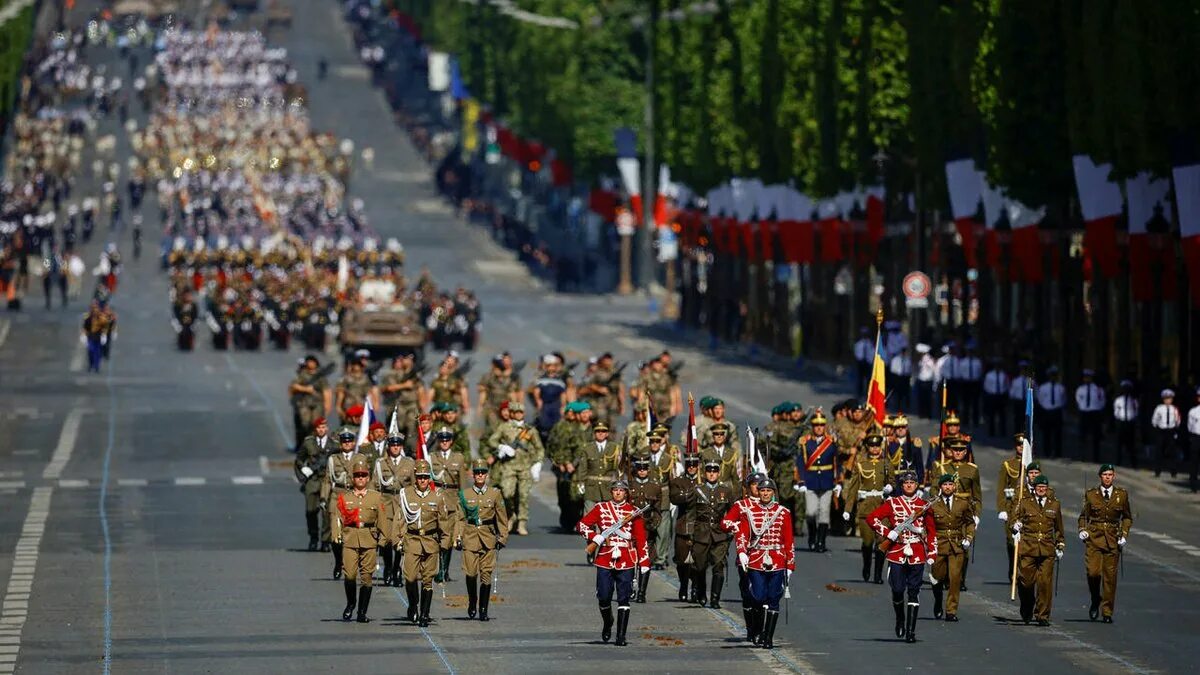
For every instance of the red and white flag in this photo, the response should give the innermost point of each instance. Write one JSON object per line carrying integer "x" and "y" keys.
{"x": 1147, "y": 198}
{"x": 1026, "y": 241}
{"x": 1187, "y": 202}
{"x": 1100, "y": 201}
{"x": 965, "y": 184}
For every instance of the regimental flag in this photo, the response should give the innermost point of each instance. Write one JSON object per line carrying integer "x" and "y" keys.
{"x": 876, "y": 392}
{"x": 394, "y": 424}
{"x": 1027, "y": 445}
{"x": 364, "y": 425}
{"x": 420, "y": 442}
{"x": 693, "y": 447}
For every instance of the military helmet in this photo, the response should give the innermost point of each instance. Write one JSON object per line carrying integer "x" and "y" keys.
{"x": 618, "y": 484}
{"x": 899, "y": 420}
{"x": 889, "y": 420}
{"x": 873, "y": 439}
{"x": 818, "y": 418}
{"x": 952, "y": 418}
{"x": 767, "y": 484}
{"x": 906, "y": 476}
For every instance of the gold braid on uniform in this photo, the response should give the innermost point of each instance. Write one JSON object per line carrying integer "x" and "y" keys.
{"x": 1012, "y": 473}
{"x": 863, "y": 472}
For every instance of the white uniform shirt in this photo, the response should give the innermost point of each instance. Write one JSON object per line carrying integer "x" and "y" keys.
{"x": 1016, "y": 390}
{"x": 926, "y": 368}
{"x": 1194, "y": 421}
{"x": 864, "y": 351}
{"x": 968, "y": 369}
{"x": 995, "y": 383}
{"x": 1125, "y": 408}
{"x": 901, "y": 365}
{"x": 1165, "y": 417}
{"x": 1089, "y": 397}
{"x": 1051, "y": 396}
{"x": 945, "y": 369}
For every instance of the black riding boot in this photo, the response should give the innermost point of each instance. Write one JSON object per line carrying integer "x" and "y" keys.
{"x": 388, "y": 554}
{"x": 351, "y": 588}
{"x": 910, "y": 622}
{"x": 898, "y": 607}
{"x": 314, "y": 531}
{"x": 822, "y": 533}
{"x": 1094, "y": 589}
{"x": 643, "y": 582}
{"x": 750, "y": 614}
{"x": 700, "y": 587}
{"x": 446, "y": 564}
{"x": 685, "y": 576}
{"x": 866, "y": 558}
{"x": 426, "y": 601}
{"x": 878, "y": 571}
{"x": 812, "y": 533}
{"x": 770, "y": 620}
{"x": 337, "y": 561}
{"x": 364, "y": 601}
{"x": 622, "y": 626}
{"x": 414, "y": 600}
{"x": 485, "y": 594}
{"x": 715, "y": 597}
{"x": 1026, "y": 597}
{"x": 937, "y": 601}
{"x": 607, "y": 617}
{"x": 472, "y": 596}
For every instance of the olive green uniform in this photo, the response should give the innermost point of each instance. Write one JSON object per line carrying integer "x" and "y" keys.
{"x": 730, "y": 459}
{"x": 497, "y": 388}
{"x": 447, "y": 389}
{"x": 710, "y": 541}
{"x": 1041, "y": 538}
{"x": 603, "y": 395}
{"x": 1106, "y": 521}
{"x": 955, "y": 522}
{"x": 1008, "y": 487}
{"x": 864, "y": 493}
{"x": 314, "y": 454}
{"x": 782, "y": 436}
{"x": 405, "y": 401}
{"x": 512, "y": 474}
{"x": 480, "y": 529}
{"x": 354, "y": 388}
{"x": 393, "y": 474}
{"x": 426, "y": 526}
{"x": 681, "y": 493}
{"x": 657, "y": 388}
{"x": 306, "y": 408}
{"x": 595, "y": 470}
{"x": 358, "y": 536}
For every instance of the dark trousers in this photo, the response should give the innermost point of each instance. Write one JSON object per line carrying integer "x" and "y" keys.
{"x": 924, "y": 399}
{"x": 744, "y": 587}
{"x": 608, "y": 581}
{"x": 1051, "y": 423}
{"x": 1166, "y": 453}
{"x": 905, "y": 578}
{"x": 767, "y": 587}
{"x": 1126, "y": 443}
{"x": 568, "y": 507}
{"x": 899, "y": 388}
{"x": 968, "y": 403}
{"x": 1018, "y": 414}
{"x": 995, "y": 414}
{"x": 862, "y": 375}
{"x": 1193, "y": 461}
{"x": 1090, "y": 426}
{"x": 95, "y": 352}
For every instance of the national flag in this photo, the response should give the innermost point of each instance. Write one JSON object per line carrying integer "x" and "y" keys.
{"x": 829, "y": 224}
{"x": 1027, "y": 444}
{"x": 794, "y": 213}
{"x": 692, "y": 442}
{"x": 1026, "y": 241}
{"x": 1100, "y": 201}
{"x": 364, "y": 425}
{"x": 965, "y": 184}
{"x": 876, "y": 396}
{"x": 1147, "y": 198}
{"x": 757, "y": 463}
{"x": 1187, "y": 202}
{"x": 420, "y": 450}
{"x": 875, "y": 213}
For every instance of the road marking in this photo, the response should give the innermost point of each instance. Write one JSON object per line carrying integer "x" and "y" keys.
{"x": 247, "y": 480}
{"x": 264, "y": 466}
{"x": 72, "y": 483}
{"x": 20, "y": 583}
{"x": 189, "y": 482}
{"x": 5, "y": 324}
{"x": 66, "y": 445}
{"x": 78, "y": 356}
{"x": 12, "y": 485}
{"x": 132, "y": 482}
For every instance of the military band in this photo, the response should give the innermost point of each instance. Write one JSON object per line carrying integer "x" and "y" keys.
{"x": 909, "y": 537}
{"x": 766, "y": 551}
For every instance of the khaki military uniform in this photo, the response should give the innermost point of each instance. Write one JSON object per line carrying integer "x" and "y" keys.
{"x": 865, "y": 489}
{"x": 393, "y": 474}
{"x": 560, "y": 445}
{"x": 338, "y": 476}
{"x": 1106, "y": 521}
{"x": 404, "y": 401}
{"x": 782, "y": 436}
{"x": 657, "y": 495}
{"x": 1008, "y": 487}
{"x": 306, "y": 408}
{"x": 730, "y": 459}
{"x": 512, "y": 474}
{"x": 316, "y": 457}
{"x": 954, "y": 522}
{"x": 657, "y": 389}
{"x": 355, "y": 522}
{"x": 680, "y": 491}
{"x": 710, "y": 541}
{"x": 1041, "y": 538}
{"x": 450, "y": 471}
{"x": 498, "y": 387}
{"x": 480, "y": 530}
{"x": 426, "y": 527}
{"x": 354, "y": 388}
{"x": 447, "y": 389}
{"x": 850, "y": 434}
{"x": 595, "y": 470}
{"x": 373, "y": 450}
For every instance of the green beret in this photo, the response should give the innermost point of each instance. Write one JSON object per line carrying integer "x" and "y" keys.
{"x": 1107, "y": 467}
{"x": 948, "y": 478}
{"x": 583, "y": 405}
{"x": 777, "y": 410}
{"x": 437, "y": 407}
{"x": 449, "y": 406}
{"x": 714, "y": 402}
{"x": 706, "y": 402}
{"x": 1033, "y": 466}
{"x": 1041, "y": 480}
{"x": 571, "y": 407}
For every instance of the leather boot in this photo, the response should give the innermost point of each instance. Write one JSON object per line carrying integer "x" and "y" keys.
{"x": 879, "y": 562}
{"x": 770, "y": 620}
{"x": 937, "y": 601}
{"x": 910, "y": 622}
{"x": 715, "y": 597}
{"x": 446, "y": 554}
{"x": 1026, "y": 596}
{"x": 310, "y": 518}
{"x": 472, "y": 596}
{"x": 485, "y": 594}
{"x": 414, "y": 602}
{"x": 364, "y": 601}
{"x": 684, "y": 577}
{"x": 643, "y": 582}
{"x": 606, "y": 615}
{"x": 812, "y": 533}
{"x": 822, "y": 533}
{"x": 1094, "y": 589}
{"x": 351, "y": 600}
{"x": 866, "y": 558}
{"x": 750, "y": 615}
{"x": 337, "y": 561}
{"x": 700, "y": 588}
{"x": 898, "y": 608}
{"x": 426, "y": 601}
{"x": 387, "y": 554}
{"x": 622, "y": 626}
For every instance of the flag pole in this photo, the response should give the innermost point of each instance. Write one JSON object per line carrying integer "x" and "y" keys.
{"x": 1025, "y": 457}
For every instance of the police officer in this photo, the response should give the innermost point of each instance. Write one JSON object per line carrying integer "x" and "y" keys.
{"x": 1091, "y": 402}
{"x": 1037, "y": 529}
{"x": 1051, "y": 398}
{"x": 310, "y": 466}
{"x": 816, "y": 476}
{"x": 1104, "y": 522}
{"x": 480, "y": 531}
{"x": 617, "y": 547}
{"x": 355, "y": 526}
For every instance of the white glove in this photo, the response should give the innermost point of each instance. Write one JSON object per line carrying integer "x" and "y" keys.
{"x": 801, "y": 489}
{"x": 1083, "y": 535}
{"x": 83, "y": 338}
{"x": 894, "y": 535}
{"x": 1017, "y": 526}
{"x": 845, "y": 516}
{"x": 966, "y": 543}
{"x": 506, "y": 450}
{"x": 644, "y": 569}
{"x": 887, "y": 489}
{"x": 976, "y": 520}
{"x": 103, "y": 339}
{"x": 837, "y": 490}
{"x": 1059, "y": 553}
{"x": 1003, "y": 515}
{"x": 1016, "y": 537}
{"x": 536, "y": 471}
{"x": 744, "y": 560}
{"x": 788, "y": 579}
{"x": 674, "y": 510}
{"x": 306, "y": 471}
{"x": 1009, "y": 493}
{"x": 597, "y": 539}
{"x": 1121, "y": 542}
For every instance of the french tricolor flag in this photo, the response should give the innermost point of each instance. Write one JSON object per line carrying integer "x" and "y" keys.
{"x": 1187, "y": 201}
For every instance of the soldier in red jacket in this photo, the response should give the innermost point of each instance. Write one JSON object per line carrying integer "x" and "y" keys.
{"x": 912, "y": 543}
{"x": 766, "y": 552}
{"x": 619, "y": 538}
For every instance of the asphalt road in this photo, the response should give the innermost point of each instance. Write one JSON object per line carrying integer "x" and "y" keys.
{"x": 149, "y": 521}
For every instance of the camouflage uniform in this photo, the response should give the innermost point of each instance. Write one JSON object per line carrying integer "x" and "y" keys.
{"x": 513, "y": 473}
{"x": 498, "y": 387}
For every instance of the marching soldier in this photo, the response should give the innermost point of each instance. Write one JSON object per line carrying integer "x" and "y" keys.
{"x": 1104, "y": 523}
{"x": 1008, "y": 486}
{"x": 870, "y": 481}
{"x": 355, "y": 388}
{"x": 652, "y": 495}
{"x": 636, "y": 433}
{"x": 355, "y": 526}
{"x": 966, "y": 481}
{"x": 448, "y": 386}
{"x": 498, "y": 386}
{"x": 782, "y": 442}
{"x": 597, "y": 464}
{"x": 427, "y": 526}
{"x": 480, "y": 531}
{"x": 452, "y": 422}
{"x": 310, "y": 396}
{"x": 402, "y": 392}
{"x": 715, "y": 412}
{"x": 710, "y": 500}
{"x": 517, "y": 458}
{"x": 955, "y": 520}
{"x": 724, "y": 452}
{"x": 662, "y": 458}
{"x": 339, "y": 479}
{"x": 602, "y": 388}
{"x": 681, "y": 490}
{"x": 911, "y": 533}
{"x": 393, "y": 473}
{"x": 310, "y": 466}
{"x": 618, "y": 548}
{"x": 661, "y": 391}
{"x": 561, "y": 448}
{"x": 730, "y": 523}
{"x": 816, "y": 478}
{"x": 767, "y": 553}
{"x": 1037, "y": 527}
{"x": 905, "y": 450}
{"x": 449, "y": 473}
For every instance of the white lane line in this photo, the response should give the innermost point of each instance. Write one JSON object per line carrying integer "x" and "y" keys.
{"x": 264, "y": 467}
{"x": 78, "y": 357}
{"x": 72, "y": 483}
{"x": 66, "y": 445}
{"x": 5, "y": 324}
{"x": 132, "y": 482}
{"x": 12, "y": 485}
{"x": 190, "y": 482}
{"x": 20, "y": 583}
{"x": 247, "y": 480}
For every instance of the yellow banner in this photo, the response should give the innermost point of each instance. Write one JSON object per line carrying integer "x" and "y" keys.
{"x": 470, "y": 119}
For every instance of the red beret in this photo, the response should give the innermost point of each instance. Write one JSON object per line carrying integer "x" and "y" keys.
{"x": 318, "y": 422}
{"x": 504, "y": 406}
{"x": 377, "y": 425}
{"x": 424, "y": 418}
{"x": 355, "y": 411}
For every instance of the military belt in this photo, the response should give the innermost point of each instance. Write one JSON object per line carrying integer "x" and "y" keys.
{"x": 420, "y": 531}
{"x": 863, "y": 494}
{"x": 390, "y": 491}
{"x": 949, "y": 532}
{"x": 490, "y": 521}
{"x": 362, "y": 526}
{"x": 1102, "y": 524}
{"x": 819, "y": 467}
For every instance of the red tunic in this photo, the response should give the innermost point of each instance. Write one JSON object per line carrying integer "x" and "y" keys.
{"x": 626, "y": 547}
{"x": 912, "y": 548}
{"x": 763, "y": 533}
